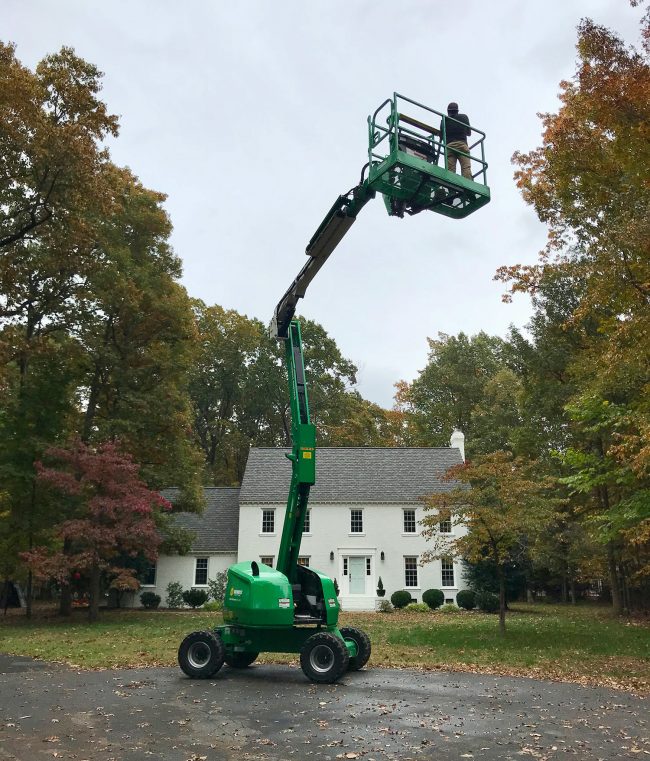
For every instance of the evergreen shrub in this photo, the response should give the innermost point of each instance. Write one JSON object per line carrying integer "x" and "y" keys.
{"x": 433, "y": 598}
{"x": 150, "y": 600}
{"x": 466, "y": 599}
{"x": 401, "y": 598}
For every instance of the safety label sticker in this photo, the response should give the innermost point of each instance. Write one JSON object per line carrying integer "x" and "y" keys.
{"x": 332, "y": 602}
{"x": 284, "y": 602}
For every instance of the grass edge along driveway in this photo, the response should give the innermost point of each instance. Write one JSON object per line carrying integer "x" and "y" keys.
{"x": 583, "y": 644}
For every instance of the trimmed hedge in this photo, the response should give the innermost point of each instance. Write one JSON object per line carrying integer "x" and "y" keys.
{"x": 466, "y": 599}
{"x": 487, "y": 602}
{"x": 150, "y": 600}
{"x": 433, "y": 598}
{"x": 195, "y": 597}
{"x": 401, "y": 598}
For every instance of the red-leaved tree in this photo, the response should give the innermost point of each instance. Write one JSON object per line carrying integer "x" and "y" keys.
{"x": 109, "y": 515}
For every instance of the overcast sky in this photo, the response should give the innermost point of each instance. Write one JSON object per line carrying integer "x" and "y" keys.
{"x": 251, "y": 117}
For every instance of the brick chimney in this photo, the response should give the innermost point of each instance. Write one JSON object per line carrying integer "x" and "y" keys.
{"x": 458, "y": 441}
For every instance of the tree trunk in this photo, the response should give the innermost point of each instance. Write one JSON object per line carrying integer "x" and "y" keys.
{"x": 65, "y": 603}
{"x": 28, "y": 596}
{"x": 572, "y": 590}
{"x": 565, "y": 595}
{"x": 529, "y": 595}
{"x": 614, "y": 583}
{"x": 502, "y": 605}
{"x": 93, "y": 607}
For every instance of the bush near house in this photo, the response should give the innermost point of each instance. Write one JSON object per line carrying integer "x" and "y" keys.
{"x": 433, "y": 598}
{"x": 217, "y": 586}
{"x": 417, "y": 607}
{"x": 195, "y": 597}
{"x": 150, "y": 600}
{"x": 400, "y": 599}
{"x": 487, "y": 602}
{"x": 385, "y": 607}
{"x": 450, "y": 608}
{"x": 174, "y": 597}
{"x": 466, "y": 599}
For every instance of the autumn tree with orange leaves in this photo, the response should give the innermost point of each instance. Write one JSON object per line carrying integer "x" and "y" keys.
{"x": 589, "y": 182}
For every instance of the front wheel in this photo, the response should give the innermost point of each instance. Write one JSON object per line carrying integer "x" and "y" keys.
{"x": 201, "y": 655}
{"x": 324, "y": 658}
{"x": 240, "y": 660}
{"x": 362, "y": 641}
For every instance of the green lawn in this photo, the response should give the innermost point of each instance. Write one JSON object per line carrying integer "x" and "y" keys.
{"x": 583, "y": 644}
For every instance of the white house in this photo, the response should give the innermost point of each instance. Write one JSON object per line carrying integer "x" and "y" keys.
{"x": 363, "y": 522}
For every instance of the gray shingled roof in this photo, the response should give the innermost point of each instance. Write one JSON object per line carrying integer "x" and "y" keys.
{"x": 217, "y": 527}
{"x": 352, "y": 475}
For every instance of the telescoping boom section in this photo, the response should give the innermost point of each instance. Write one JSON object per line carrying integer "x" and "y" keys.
{"x": 291, "y": 608}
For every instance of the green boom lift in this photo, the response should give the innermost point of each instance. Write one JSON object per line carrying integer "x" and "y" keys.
{"x": 294, "y": 609}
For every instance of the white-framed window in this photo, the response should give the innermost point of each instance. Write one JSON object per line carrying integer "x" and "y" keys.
{"x": 149, "y": 576}
{"x": 409, "y": 521}
{"x": 201, "y": 572}
{"x": 268, "y": 521}
{"x": 411, "y": 571}
{"x": 368, "y": 567}
{"x": 304, "y": 561}
{"x": 307, "y": 526}
{"x": 345, "y": 566}
{"x": 267, "y": 560}
{"x": 447, "y": 572}
{"x": 356, "y": 521}
{"x": 445, "y": 527}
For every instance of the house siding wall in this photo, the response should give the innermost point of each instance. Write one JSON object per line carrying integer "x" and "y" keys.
{"x": 330, "y": 532}
{"x": 180, "y": 568}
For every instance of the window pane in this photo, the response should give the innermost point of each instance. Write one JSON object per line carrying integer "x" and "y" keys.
{"x": 268, "y": 521}
{"x": 149, "y": 576}
{"x": 307, "y": 527}
{"x": 411, "y": 572}
{"x": 445, "y": 527}
{"x": 367, "y": 566}
{"x": 409, "y": 521}
{"x": 356, "y": 521}
{"x": 345, "y": 566}
{"x": 201, "y": 572}
{"x": 267, "y": 560}
{"x": 304, "y": 561}
{"x": 447, "y": 573}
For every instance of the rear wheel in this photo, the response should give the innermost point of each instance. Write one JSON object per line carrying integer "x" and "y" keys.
{"x": 324, "y": 658}
{"x": 362, "y": 641}
{"x": 240, "y": 660}
{"x": 201, "y": 655}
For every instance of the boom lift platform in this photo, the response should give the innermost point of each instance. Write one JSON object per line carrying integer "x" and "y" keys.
{"x": 294, "y": 609}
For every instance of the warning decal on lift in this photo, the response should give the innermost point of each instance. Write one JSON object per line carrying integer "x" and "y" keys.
{"x": 284, "y": 602}
{"x": 332, "y": 602}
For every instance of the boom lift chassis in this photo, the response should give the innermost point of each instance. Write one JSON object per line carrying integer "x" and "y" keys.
{"x": 291, "y": 608}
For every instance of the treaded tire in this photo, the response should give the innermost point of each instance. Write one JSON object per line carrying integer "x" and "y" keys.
{"x": 201, "y": 655}
{"x": 324, "y": 658}
{"x": 362, "y": 641}
{"x": 240, "y": 660}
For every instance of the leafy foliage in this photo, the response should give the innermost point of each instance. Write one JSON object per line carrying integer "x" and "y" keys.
{"x": 434, "y": 598}
{"x": 400, "y": 599}
{"x": 466, "y": 599}
{"x": 150, "y": 600}
{"x": 195, "y": 597}
{"x": 174, "y": 595}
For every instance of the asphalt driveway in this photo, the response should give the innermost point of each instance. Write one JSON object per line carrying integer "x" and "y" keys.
{"x": 273, "y": 712}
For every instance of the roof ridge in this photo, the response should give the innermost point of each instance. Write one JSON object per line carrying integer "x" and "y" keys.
{"x": 386, "y": 449}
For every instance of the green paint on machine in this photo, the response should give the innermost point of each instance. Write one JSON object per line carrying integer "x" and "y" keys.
{"x": 292, "y": 608}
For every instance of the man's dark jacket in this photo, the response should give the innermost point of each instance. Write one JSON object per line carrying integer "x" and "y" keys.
{"x": 457, "y": 131}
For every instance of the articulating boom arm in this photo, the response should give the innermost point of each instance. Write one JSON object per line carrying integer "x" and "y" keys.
{"x": 337, "y": 222}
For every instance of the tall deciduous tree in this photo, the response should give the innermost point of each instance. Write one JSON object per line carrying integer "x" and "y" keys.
{"x": 501, "y": 503}
{"x": 112, "y": 513}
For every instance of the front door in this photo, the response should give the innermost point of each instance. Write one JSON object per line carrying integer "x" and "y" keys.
{"x": 357, "y": 571}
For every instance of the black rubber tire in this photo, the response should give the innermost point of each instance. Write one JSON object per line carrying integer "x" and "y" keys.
{"x": 362, "y": 641}
{"x": 201, "y": 655}
{"x": 324, "y": 658}
{"x": 240, "y": 660}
